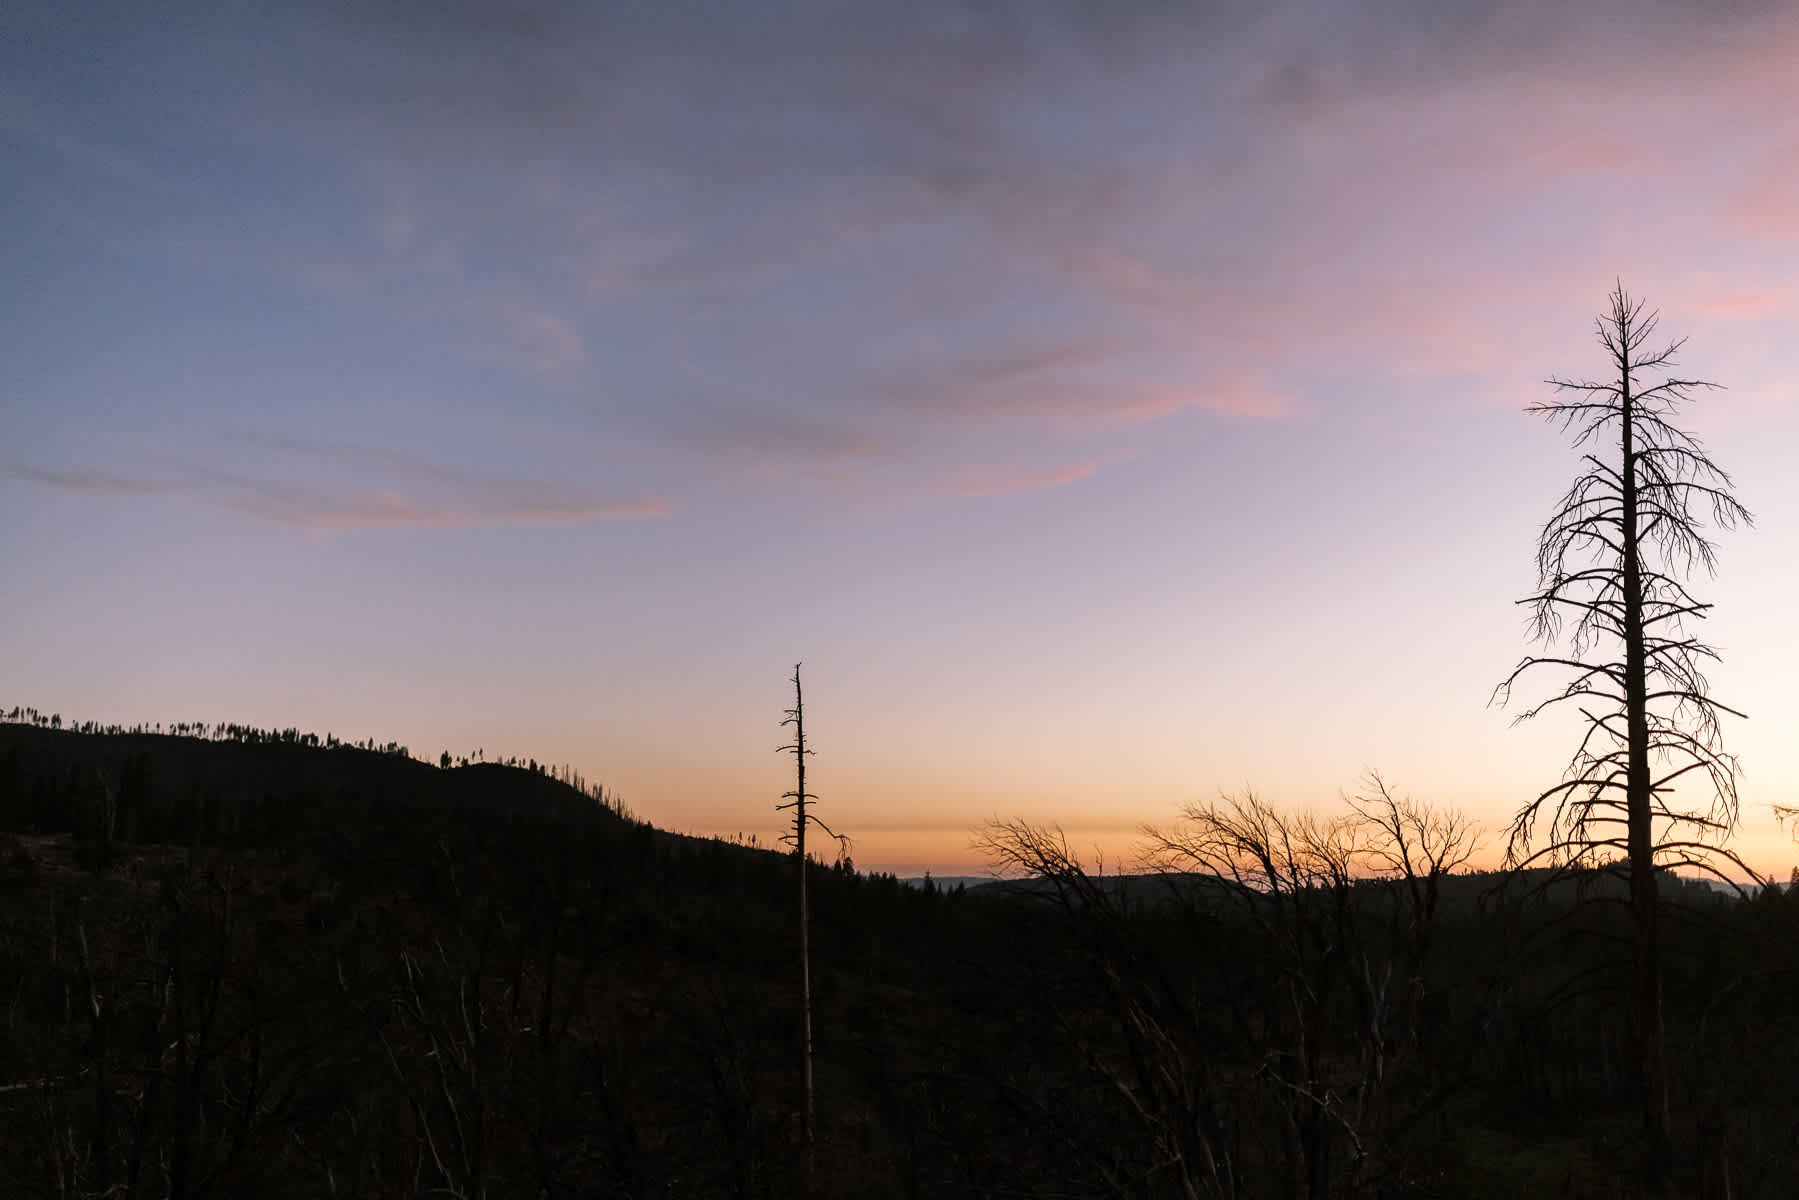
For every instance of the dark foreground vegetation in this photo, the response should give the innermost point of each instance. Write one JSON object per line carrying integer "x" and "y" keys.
{"x": 274, "y": 969}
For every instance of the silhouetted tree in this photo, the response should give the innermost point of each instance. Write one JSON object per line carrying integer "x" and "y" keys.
{"x": 1291, "y": 1056}
{"x": 1612, "y": 563}
{"x": 798, "y": 799}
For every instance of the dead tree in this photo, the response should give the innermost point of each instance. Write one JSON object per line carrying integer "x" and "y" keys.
{"x": 798, "y": 800}
{"x": 1293, "y": 1070}
{"x": 1611, "y": 613}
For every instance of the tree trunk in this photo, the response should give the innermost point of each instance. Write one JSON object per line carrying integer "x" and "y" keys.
{"x": 1714, "y": 1157}
{"x": 800, "y": 821}
{"x": 1652, "y": 1062}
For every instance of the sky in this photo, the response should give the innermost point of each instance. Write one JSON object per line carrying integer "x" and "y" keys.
{"x": 1109, "y": 404}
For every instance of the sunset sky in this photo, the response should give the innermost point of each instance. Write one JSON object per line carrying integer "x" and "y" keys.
{"x": 1110, "y": 403}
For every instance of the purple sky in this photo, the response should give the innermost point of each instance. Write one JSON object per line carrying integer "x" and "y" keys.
{"x": 1110, "y": 403}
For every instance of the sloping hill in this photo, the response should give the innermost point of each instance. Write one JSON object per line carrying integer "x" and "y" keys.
{"x": 281, "y": 969}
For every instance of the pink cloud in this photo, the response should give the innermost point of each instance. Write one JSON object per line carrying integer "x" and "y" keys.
{"x": 1233, "y": 396}
{"x": 1768, "y": 203}
{"x": 1024, "y": 364}
{"x": 1441, "y": 231}
{"x": 1237, "y": 397}
{"x": 1593, "y": 154}
{"x": 973, "y": 482}
{"x": 1747, "y": 305}
{"x": 1416, "y": 219}
{"x": 1085, "y": 386}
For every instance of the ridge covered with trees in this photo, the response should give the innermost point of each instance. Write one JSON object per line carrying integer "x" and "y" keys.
{"x": 250, "y": 735}
{"x": 355, "y": 975}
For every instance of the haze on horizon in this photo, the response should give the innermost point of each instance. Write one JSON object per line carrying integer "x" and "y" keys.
{"x": 1108, "y": 404}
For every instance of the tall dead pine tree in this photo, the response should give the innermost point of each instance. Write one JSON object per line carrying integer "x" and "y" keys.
{"x": 798, "y": 800}
{"x": 1649, "y": 786}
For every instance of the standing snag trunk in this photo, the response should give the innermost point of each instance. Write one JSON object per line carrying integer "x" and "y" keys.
{"x": 1613, "y": 561}
{"x": 799, "y": 801}
{"x": 1651, "y": 1037}
{"x": 796, "y": 716}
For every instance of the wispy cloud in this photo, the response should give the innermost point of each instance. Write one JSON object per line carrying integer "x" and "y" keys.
{"x": 1767, "y": 203}
{"x": 93, "y": 483}
{"x": 972, "y": 482}
{"x": 387, "y": 510}
{"x": 1055, "y": 381}
{"x": 783, "y": 241}
{"x": 977, "y": 480}
{"x": 764, "y": 436}
{"x": 409, "y": 489}
{"x": 546, "y": 341}
{"x": 1583, "y": 153}
{"x": 1241, "y": 396}
{"x": 31, "y": 124}
{"x": 354, "y": 487}
{"x": 1747, "y": 305}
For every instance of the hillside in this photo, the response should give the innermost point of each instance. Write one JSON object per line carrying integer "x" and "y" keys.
{"x": 279, "y": 969}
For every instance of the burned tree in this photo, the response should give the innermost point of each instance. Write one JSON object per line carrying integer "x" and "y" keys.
{"x": 1269, "y": 988}
{"x": 1650, "y": 786}
{"x": 798, "y": 800}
